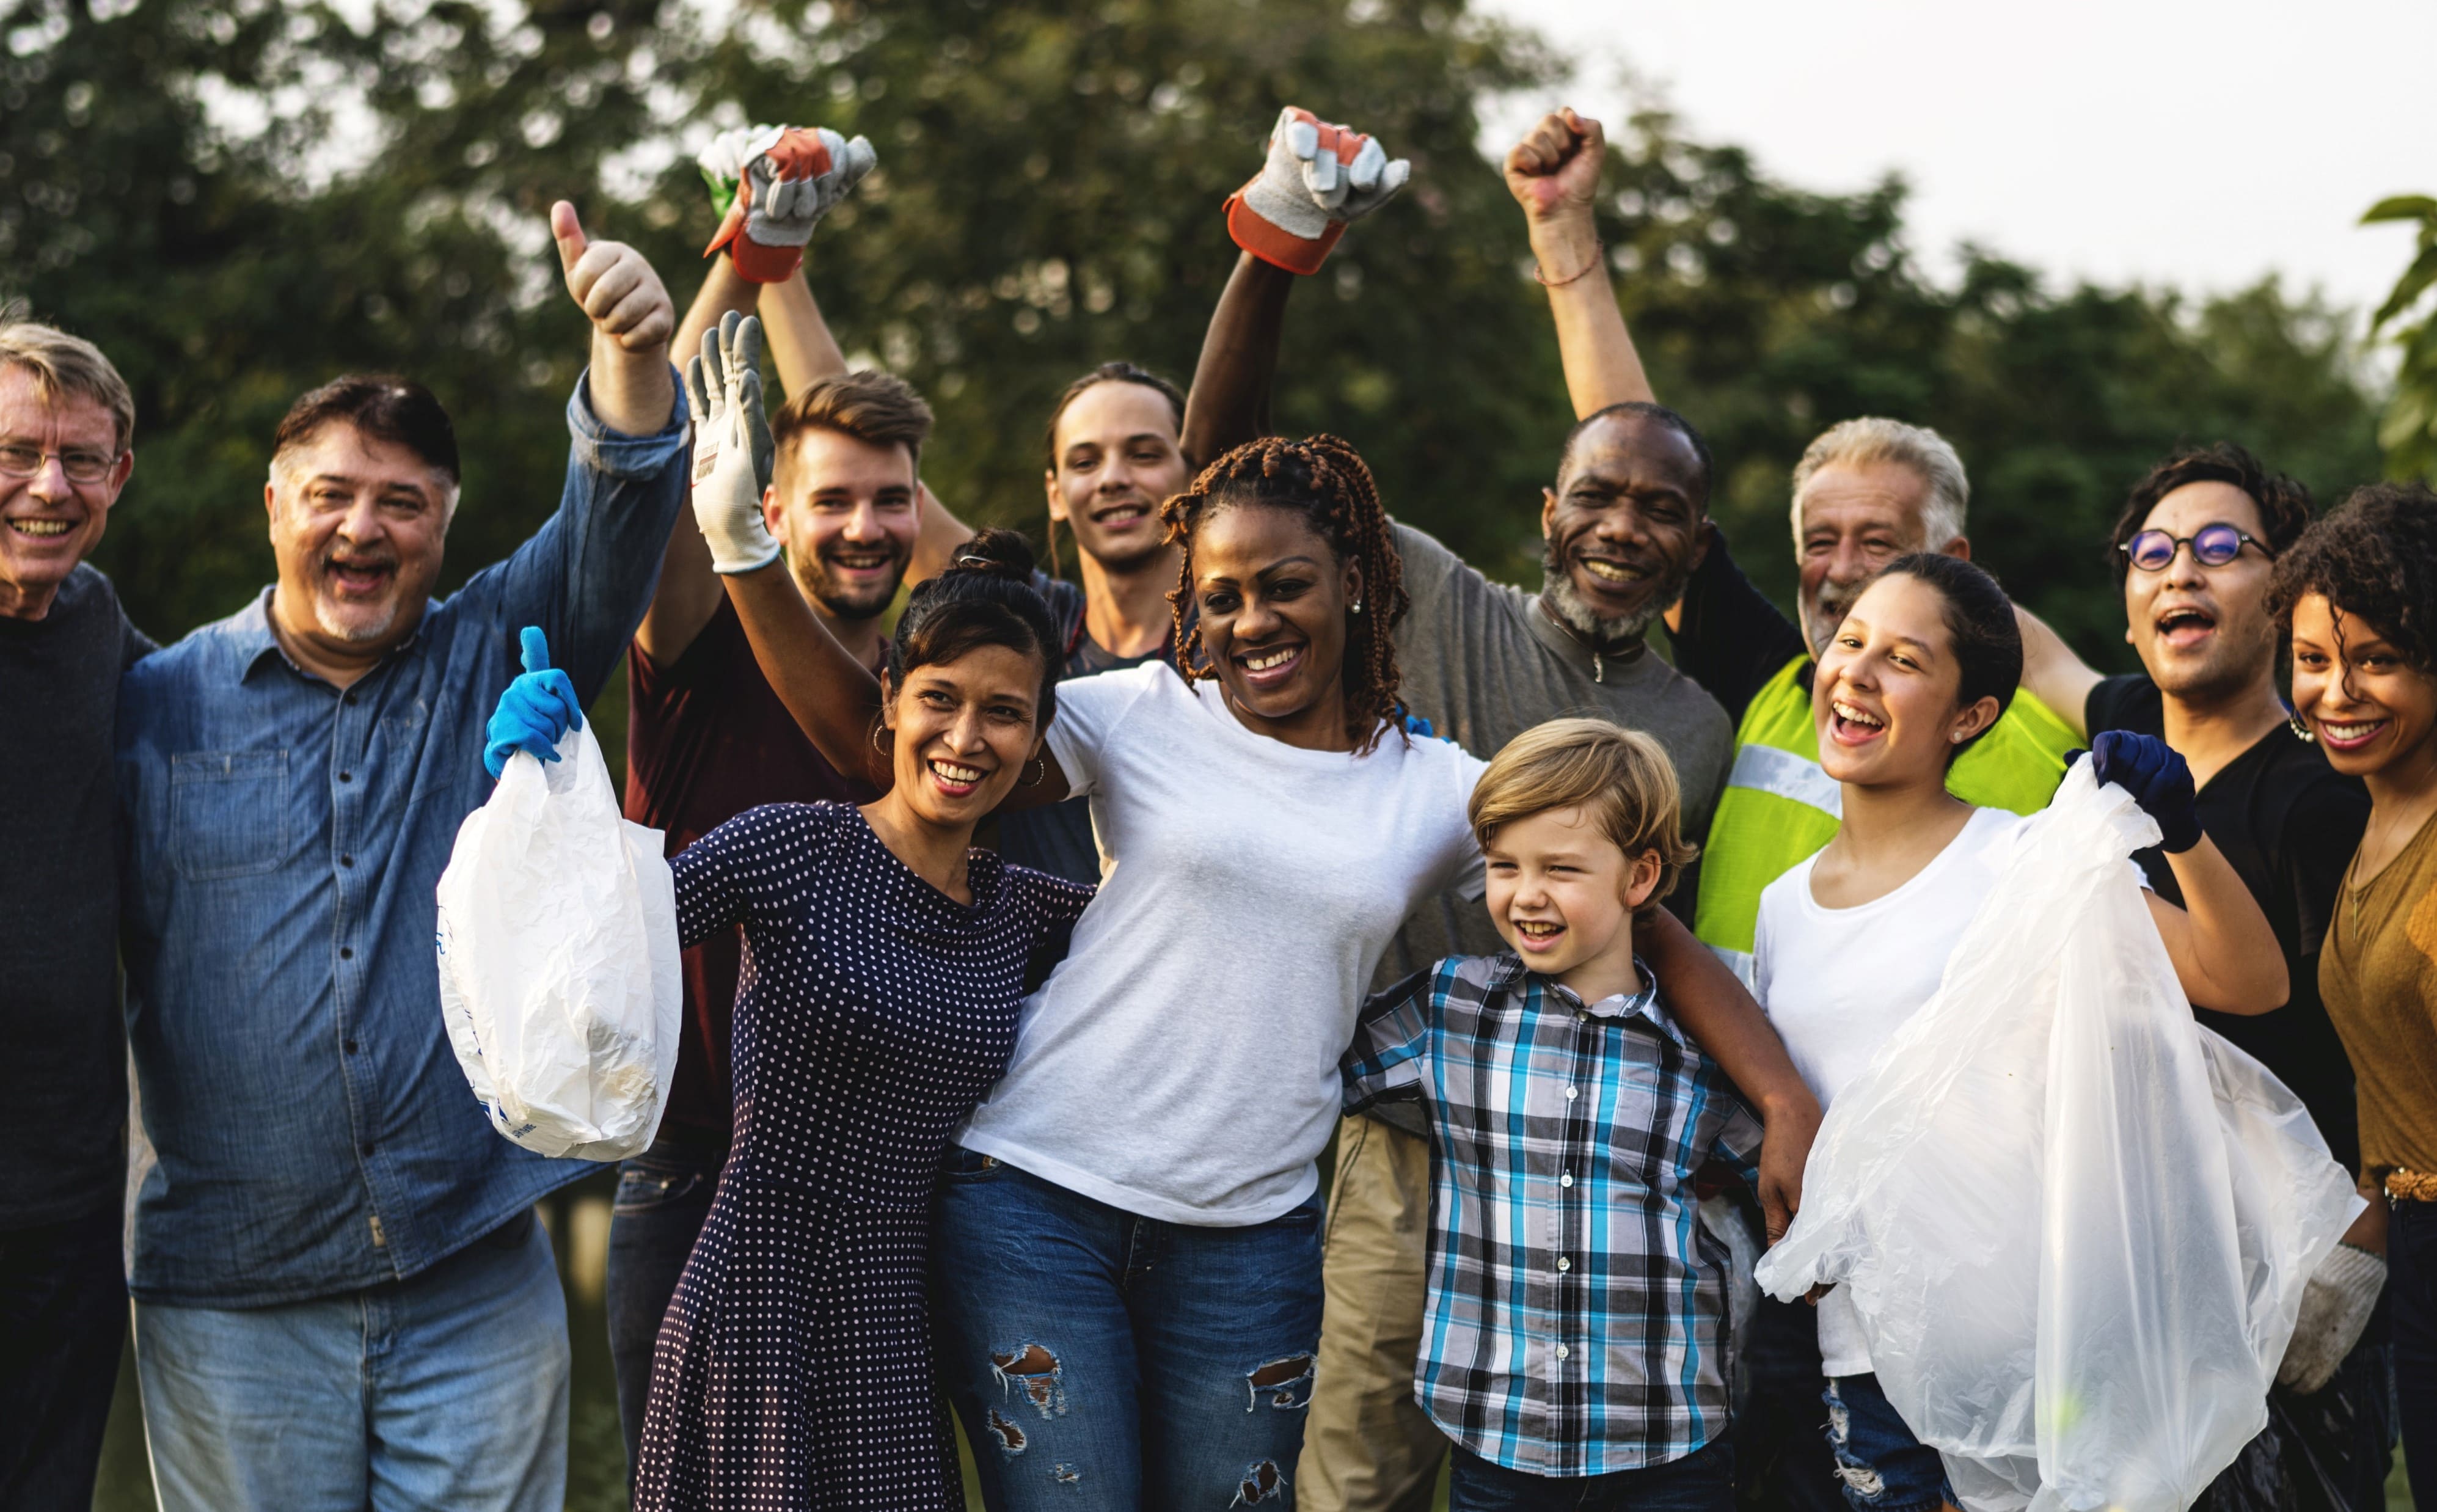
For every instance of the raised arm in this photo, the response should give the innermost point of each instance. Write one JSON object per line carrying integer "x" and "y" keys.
{"x": 1711, "y": 1006}
{"x": 1317, "y": 179}
{"x": 688, "y": 591}
{"x": 2053, "y": 674}
{"x": 1554, "y": 173}
{"x": 634, "y": 392}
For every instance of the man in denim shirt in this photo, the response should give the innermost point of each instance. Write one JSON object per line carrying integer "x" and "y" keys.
{"x": 341, "y": 1296}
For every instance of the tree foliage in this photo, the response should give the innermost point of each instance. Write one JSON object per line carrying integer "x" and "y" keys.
{"x": 2408, "y": 430}
{"x": 240, "y": 197}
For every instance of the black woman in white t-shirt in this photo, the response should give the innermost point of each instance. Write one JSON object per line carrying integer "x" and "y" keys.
{"x": 1127, "y": 1259}
{"x": 1855, "y": 940}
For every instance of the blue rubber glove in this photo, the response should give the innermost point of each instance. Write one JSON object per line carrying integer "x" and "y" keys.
{"x": 2149, "y": 770}
{"x": 535, "y": 710}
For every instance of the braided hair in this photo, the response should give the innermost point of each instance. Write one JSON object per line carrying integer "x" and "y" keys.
{"x": 1324, "y": 479}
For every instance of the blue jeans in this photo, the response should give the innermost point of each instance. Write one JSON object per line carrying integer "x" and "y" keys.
{"x": 1703, "y": 1481}
{"x": 663, "y": 1196}
{"x": 63, "y": 1317}
{"x": 447, "y": 1389}
{"x": 2412, "y": 1303}
{"x": 1104, "y": 1362}
{"x": 1884, "y": 1467}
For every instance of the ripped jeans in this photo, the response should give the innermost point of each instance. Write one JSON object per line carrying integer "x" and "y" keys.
{"x": 1105, "y": 1362}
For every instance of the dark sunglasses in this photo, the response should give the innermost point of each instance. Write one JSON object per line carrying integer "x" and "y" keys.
{"x": 2215, "y": 545}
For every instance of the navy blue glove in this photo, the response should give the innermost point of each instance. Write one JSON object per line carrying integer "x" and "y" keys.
{"x": 2149, "y": 770}
{"x": 535, "y": 710}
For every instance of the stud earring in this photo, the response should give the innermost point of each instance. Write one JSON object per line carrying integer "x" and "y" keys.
{"x": 1358, "y": 605}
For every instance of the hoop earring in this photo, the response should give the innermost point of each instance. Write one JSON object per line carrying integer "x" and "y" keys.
{"x": 2301, "y": 731}
{"x": 878, "y": 730}
{"x": 1040, "y": 774}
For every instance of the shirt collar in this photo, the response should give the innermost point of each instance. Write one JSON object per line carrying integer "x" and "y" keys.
{"x": 1509, "y": 975}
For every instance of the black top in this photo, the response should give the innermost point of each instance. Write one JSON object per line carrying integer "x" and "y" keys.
{"x": 63, "y": 1111}
{"x": 2289, "y": 823}
{"x": 1729, "y": 638}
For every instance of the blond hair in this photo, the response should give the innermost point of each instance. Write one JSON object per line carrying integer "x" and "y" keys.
{"x": 1927, "y": 454}
{"x": 1621, "y": 779}
{"x": 66, "y": 364}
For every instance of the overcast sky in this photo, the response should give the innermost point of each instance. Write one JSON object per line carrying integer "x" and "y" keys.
{"x": 2199, "y": 144}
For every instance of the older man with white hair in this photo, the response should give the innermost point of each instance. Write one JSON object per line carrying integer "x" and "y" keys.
{"x": 1865, "y": 492}
{"x": 66, "y": 422}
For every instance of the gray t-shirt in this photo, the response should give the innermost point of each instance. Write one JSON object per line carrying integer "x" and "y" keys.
{"x": 1483, "y": 663}
{"x": 64, "y": 1103}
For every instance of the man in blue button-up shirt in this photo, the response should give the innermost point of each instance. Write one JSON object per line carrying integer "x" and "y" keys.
{"x": 342, "y": 1297}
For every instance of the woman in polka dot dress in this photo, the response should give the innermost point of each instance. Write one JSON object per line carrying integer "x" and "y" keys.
{"x": 885, "y": 964}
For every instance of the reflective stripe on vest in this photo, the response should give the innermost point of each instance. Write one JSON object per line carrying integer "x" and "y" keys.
{"x": 1787, "y": 773}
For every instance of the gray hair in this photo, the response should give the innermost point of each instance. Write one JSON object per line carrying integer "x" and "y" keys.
{"x": 1874, "y": 438}
{"x": 61, "y": 363}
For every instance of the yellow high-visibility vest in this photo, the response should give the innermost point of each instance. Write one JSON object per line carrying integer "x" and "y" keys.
{"x": 1779, "y": 806}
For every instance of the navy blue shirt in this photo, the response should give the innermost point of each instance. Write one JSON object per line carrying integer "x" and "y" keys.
{"x": 282, "y": 841}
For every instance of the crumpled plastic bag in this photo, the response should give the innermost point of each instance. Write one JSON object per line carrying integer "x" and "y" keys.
{"x": 559, "y": 972}
{"x": 2075, "y": 1224}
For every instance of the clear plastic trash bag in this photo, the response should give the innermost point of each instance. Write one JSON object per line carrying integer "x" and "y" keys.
{"x": 559, "y": 974}
{"x": 2075, "y": 1224}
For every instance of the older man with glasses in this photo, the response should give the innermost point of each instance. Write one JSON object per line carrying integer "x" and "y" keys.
{"x": 65, "y": 421}
{"x": 2193, "y": 550}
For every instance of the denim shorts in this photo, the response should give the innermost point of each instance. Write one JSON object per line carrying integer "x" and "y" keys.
{"x": 1883, "y": 1467}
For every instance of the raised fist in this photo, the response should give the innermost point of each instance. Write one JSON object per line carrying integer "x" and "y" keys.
{"x": 614, "y": 284}
{"x": 1555, "y": 169}
{"x": 771, "y": 185}
{"x": 1317, "y": 178}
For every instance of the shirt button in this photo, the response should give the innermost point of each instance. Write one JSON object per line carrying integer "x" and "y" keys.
{"x": 349, "y": 698}
{"x": 1565, "y": 1180}
{"x": 351, "y": 1050}
{"x": 1562, "y": 1351}
{"x": 346, "y": 952}
{"x": 1563, "y": 1265}
{"x": 347, "y": 777}
{"x": 348, "y": 861}
{"x": 1569, "y": 1093}
{"x": 368, "y": 1146}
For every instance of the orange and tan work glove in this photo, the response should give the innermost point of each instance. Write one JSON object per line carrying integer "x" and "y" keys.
{"x": 771, "y": 185}
{"x": 1317, "y": 178}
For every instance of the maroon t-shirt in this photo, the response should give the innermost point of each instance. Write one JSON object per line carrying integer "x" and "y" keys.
{"x": 705, "y": 740}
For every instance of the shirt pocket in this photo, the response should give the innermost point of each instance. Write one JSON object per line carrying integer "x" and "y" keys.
{"x": 228, "y": 812}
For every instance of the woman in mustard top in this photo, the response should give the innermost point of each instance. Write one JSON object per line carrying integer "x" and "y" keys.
{"x": 2358, "y": 594}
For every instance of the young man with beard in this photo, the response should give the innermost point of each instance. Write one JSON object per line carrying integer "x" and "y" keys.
{"x": 1483, "y": 662}
{"x": 67, "y": 421}
{"x": 2194, "y": 549}
{"x": 342, "y": 1295}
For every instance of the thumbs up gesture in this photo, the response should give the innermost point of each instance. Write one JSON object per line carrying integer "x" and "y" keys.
{"x": 615, "y": 287}
{"x": 535, "y": 710}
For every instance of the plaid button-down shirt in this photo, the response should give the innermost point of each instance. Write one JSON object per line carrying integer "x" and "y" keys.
{"x": 1576, "y": 1307}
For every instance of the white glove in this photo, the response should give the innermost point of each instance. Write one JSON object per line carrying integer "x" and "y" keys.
{"x": 783, "y": 180}
{"x": 1317, "y": 178}
{"x": 732, "y": 450}
{"x": 2336, "y": 1304}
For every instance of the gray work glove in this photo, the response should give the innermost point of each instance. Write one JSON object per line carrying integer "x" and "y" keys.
{"x": 1316, "y": 178}
{"x": 732, "y": 450}
{"x": 2336, "y": 1305}
{"x": 772, "y": 184}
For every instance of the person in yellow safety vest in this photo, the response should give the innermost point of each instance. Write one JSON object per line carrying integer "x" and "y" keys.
{"x": 1865, "y": 492}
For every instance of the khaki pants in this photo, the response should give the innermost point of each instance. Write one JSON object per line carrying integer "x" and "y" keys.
{"x": 1367, "y": 1446}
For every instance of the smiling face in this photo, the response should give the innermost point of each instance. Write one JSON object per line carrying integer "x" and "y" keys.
{"x": 1274, "y": 598}
{"x": 358, "y": 525}
{"x": 1562, "y": 893}
{"x": 1116, "y": 461}
{"x": 964, "y": 731}
{"x": 845, "y": 510}
{"x": 1622, "y": 528}
{"x": 49, "y": 521}
{"x": 2204, "y": 633}
{"x": 2375, "y": 714}
{"x": 1856, "y": 519}
{"x": 1883, "y": 694}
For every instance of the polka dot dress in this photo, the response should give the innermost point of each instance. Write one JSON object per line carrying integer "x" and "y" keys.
{"x": 794, "y": 1368}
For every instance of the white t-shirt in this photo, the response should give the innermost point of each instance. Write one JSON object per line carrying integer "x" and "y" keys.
{"x": 1837, "y": 982}
{"x": 1181, "y": 1063}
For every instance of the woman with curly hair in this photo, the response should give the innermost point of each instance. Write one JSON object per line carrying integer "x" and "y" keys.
{"x": 2358, "y": 595}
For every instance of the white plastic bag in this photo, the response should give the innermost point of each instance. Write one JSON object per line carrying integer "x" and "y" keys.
{"x": 2075, "y": 1224}
{"x": 559, "y": 973}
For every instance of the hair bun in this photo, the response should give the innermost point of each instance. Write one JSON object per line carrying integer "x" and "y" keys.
{"x": 997, "y": 553}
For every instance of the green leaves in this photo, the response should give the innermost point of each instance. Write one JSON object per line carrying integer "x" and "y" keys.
{"x": 2409, "y": 428}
